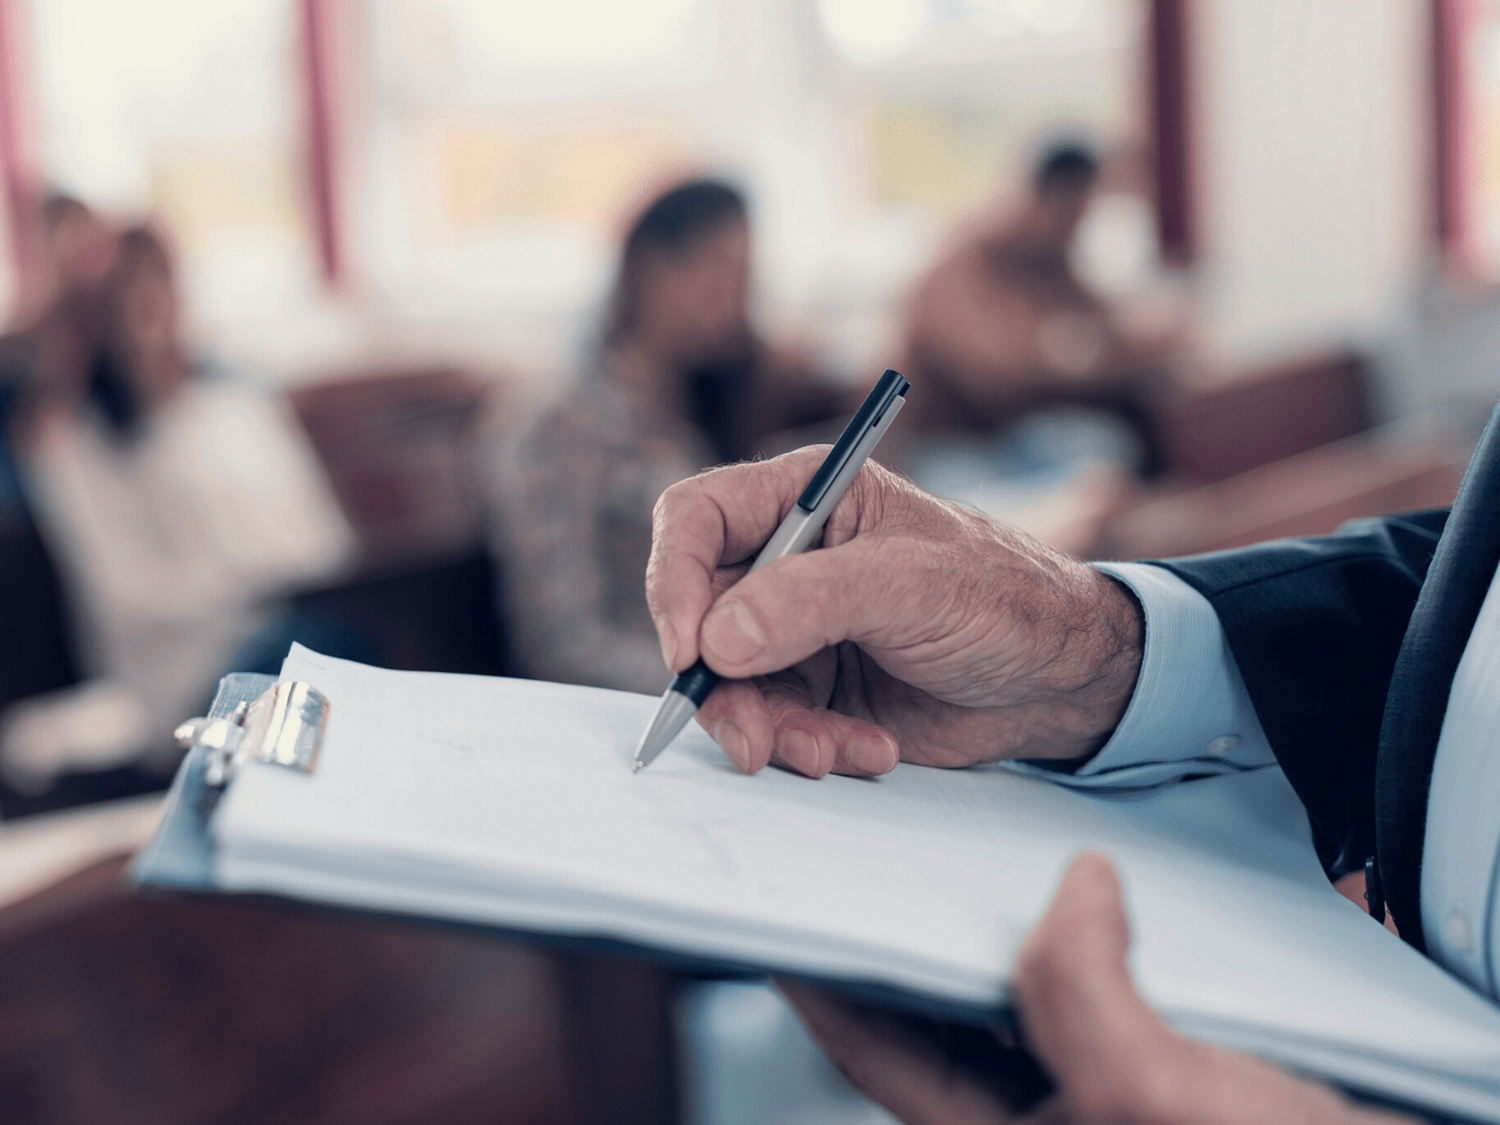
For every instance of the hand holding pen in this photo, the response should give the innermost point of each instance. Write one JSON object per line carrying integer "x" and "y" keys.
{"x": 797, "y": 531}
{"x": 919, "y": 627}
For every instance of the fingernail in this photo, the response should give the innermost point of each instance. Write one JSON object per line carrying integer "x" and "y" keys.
{"x": 799, "y": 750}
{"x": 733, "y": 634}
{"x": 668, "y": 640}
{"x": 872, "y": 754}
{"x": 733, "y": 742}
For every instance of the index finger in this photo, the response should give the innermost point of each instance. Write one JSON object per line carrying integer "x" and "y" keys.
{"x": 718, "y": 518}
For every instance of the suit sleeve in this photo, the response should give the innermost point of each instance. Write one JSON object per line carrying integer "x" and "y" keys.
{"x": 1314, "y": 626}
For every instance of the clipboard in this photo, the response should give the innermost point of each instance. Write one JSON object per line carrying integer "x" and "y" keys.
{"x": 180, "y": 855}
{"x": 485, "y": 750}
{"x": 252, "y": 716}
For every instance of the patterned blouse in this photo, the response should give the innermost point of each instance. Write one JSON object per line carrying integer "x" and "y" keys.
{"x": 573, "y": 531}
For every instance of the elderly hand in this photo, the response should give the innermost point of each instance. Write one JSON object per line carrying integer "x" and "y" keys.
{"x": 920, "y": 629}
{"x": 1111, "y": 1059}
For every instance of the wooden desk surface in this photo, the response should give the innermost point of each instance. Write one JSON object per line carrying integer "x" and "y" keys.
{"x": 117, "y": 1007}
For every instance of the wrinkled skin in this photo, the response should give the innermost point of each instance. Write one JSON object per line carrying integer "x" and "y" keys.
{"x": 924, "y": 632}
{"x": 920, "y": 629}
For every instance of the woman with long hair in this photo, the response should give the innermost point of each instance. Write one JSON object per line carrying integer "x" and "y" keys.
{"x": 679, "y": 381}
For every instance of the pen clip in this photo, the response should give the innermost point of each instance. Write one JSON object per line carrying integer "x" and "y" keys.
{"x": 872, "y": 412}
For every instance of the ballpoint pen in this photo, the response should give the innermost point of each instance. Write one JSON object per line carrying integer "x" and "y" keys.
{"x": 690, "y": 688}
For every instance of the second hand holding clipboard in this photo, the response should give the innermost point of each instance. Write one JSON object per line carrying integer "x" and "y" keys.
{"x": 690, "y": 688}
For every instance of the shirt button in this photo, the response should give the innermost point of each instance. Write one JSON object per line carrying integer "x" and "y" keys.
{"x": 1458, "y": 932}
{"x": 1221, "y": 746}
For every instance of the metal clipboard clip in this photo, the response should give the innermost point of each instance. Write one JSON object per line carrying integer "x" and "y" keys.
{"x": 283, "y": 727}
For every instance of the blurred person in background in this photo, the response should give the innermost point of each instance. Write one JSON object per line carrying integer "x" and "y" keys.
{"x": 1032, "y": 396}
{"x": 177, "y": 504}
{"x": 78, "y": 248}
{"x": 681, "y": 380}
{"x": 47, "y": 359}
{"x": 78, "y": 245}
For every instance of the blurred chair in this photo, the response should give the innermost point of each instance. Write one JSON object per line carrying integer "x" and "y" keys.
{"x": 1310, "y": 493}
{"x": 37, "y": 652}
{"x": 176, "y": 1011}
{"x": 1285, "y": 450}
{"x": 36, "y": 646}
{"x": 1210, "y": 432}
{"x": 122, "y": 1009}
{"x": 401, "y": 448}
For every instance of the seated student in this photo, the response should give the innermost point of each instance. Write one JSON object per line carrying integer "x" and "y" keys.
{"x": 46, "y": 362}
{"x": 1361, "y": 662}
{"x": 1003, "y": 325}
{"x": 177, "y": 507}
{"x": 1033, "y": 394}
{"x": 680, "y": 381}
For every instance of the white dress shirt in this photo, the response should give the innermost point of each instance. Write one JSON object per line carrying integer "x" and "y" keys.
{"x": 1190, "y": 715}
{"x": 1461, "y": 848}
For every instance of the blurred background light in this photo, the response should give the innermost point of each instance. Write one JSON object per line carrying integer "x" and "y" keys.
{"x": 577, "y": 35}
{"x": 869, "y": 31}
{"x": 131, "y": 92}
{"x": 1045, "y": 17}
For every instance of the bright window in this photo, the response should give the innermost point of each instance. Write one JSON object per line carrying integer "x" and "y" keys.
{"x": 190, "y": 111}
{"x": 509, "y": 139}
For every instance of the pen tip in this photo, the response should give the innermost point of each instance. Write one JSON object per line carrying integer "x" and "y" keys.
{"x": 637, "y": 767}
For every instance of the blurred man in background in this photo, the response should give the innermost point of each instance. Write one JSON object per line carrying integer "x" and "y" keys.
{"x": 1031, "y": 393}
{"x": 1002, "y": 324}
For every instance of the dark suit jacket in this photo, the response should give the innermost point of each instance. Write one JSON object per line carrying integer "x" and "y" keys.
{"x": 1348, "y": 645}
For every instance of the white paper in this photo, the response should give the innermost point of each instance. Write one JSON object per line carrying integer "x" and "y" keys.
{"x": 512, "y": 803}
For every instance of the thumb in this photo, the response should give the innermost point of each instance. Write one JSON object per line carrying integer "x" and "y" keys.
{"x": 1082, "y": 1012}
{"x": 798, "y": 605}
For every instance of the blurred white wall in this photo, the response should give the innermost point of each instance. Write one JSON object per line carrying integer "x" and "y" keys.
{"x": 1311, "y": 123}
{"x": 1315, "y": 174}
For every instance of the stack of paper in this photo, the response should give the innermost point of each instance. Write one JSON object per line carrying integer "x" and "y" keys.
{"x": 512, "y": 803}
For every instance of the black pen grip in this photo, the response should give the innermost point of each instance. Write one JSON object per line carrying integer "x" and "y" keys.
{"x": 695, "y": 682}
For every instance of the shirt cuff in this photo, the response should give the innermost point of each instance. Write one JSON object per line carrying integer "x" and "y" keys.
{"x": 1190, "y": 715}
